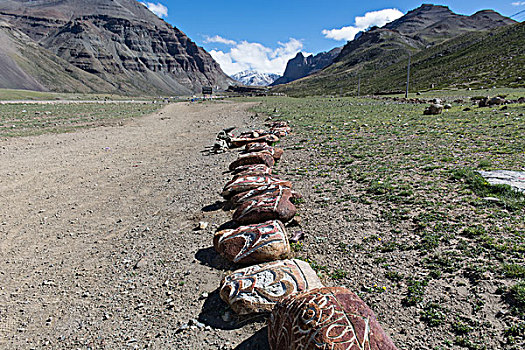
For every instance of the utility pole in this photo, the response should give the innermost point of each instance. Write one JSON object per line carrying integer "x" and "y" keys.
{"x": 408, "y": 76}
{"x": 358, "y": 85}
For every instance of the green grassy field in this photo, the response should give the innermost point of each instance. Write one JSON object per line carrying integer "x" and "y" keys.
{"x": 35, "y": 119}
{"x": 439, "y": 224}
{"x": 14, "y": 95}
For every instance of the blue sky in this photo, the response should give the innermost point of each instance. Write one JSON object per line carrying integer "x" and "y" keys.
{"x": 263, "y": 35}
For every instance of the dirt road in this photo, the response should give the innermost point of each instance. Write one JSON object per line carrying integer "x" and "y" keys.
{"x": 97, "y": 240}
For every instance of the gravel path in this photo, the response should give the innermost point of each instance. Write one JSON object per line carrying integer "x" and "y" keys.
{"x": 97, "y": 240}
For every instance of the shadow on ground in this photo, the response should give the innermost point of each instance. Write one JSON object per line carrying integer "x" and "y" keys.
{"x": 217, "y": 314}
{"x": 258, "y": 341}
{"x": 214, "y": 207}
{"x": 209, "y": 257}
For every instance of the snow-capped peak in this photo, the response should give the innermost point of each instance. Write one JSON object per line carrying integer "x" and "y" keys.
{"x": 250, "y": 77}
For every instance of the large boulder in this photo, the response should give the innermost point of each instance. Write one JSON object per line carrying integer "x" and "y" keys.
{"x": 276, "y": 205}
{"x": 491, "y": 101}
{"x": 496, "y": 101}
{"x": 325, "y": 318}
{"x": 253, "y": 244}
{"x": 246, "y": 183}
{"x": 433, "y": 109}
{"x": 258, "y": 288}
{"x": 262, "y": 157}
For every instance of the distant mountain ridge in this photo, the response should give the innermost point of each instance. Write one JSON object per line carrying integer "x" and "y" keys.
{"x": 101, "y": 46}
{"x": 300, "y": 66}
{"x": 253, "y": 78}
{"x": 371, "y": 54}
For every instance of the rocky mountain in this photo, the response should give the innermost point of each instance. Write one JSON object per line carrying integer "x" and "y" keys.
{"x": 252, "y": 78}
{"x": 300, "y": 66}
{"x": 370, "y": 55}
{"x": 472, "y": 60}
{"x": 431, "y": 24}
{"x": 101, "y": 46}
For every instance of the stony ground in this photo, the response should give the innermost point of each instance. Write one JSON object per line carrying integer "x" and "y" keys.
{"x": 97, "y": 235}
{"x": 394, "y": 210}
{"x": 99, "y": 247}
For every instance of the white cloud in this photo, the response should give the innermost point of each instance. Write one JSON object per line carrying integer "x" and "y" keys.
{"x": 158, "y": 9}
{"x": 374, "y": 18}
{"x": 255, "y": 56}
{"x": 219, "y": 39}
{"x": 518, "y": 3}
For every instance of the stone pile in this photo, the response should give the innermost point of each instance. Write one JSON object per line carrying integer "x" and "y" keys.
{"x": 304, "y": 314}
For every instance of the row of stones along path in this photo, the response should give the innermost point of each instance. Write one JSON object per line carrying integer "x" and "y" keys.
{"x": 303, "y": 313}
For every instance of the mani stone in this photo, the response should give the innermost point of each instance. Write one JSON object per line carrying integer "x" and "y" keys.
{"x": 256, "y": 146}
{"x": 326, "y": 318}
{"x": 253, "y": 133}
{"x": 253, "y": 244}
{"x": 246, "y": 183}
{"x": 281, "y": 132}
{"x": 277, "y": 124}
{"x": 258, "y": 288}
{"x": 252, "y": 169}
{"x": 280, "y": 128}
{"x": 243, "y": 140}
{"x": 265, "y": 190}
{"x": 275, "y": 205}
{"x": 277, "y": 153}
{"x": 262, "y": 157}
{"x": 433, "y": 109}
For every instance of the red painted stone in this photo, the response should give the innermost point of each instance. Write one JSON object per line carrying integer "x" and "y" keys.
{"x": 243, "y": 140}
{"x": 257, "y": 288}
{"x": 266, "y": 190}
{"x": 262, "y": 157}
{"x": 252, "y": 169}
{"x": 253, "y": 243}
{"x": 272, "y": 206}
{"x": 246, "y": 183}
{"x": 258, "y": 146}
{"x": 326, "y": 318}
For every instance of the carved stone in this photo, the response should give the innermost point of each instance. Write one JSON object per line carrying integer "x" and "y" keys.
{"x": 281, "y": 132}
{"x": 266, "y": 190}
{"x": 257, "y": 288}
{"x": 262, "y": 157}
{"x": 246, "y": 183}
{"x": 258, "y": 146}
{"x": 277, "y": 124}
{"x": 272, "y": 206}
{"x": 252, "y": 170}
{"x": 254, "y": 243}
{"x": 241, "y": 141}
{"x": 254, "y": 133}
{"x": 326, "y": 318}
{"x": 279, "y": 128}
